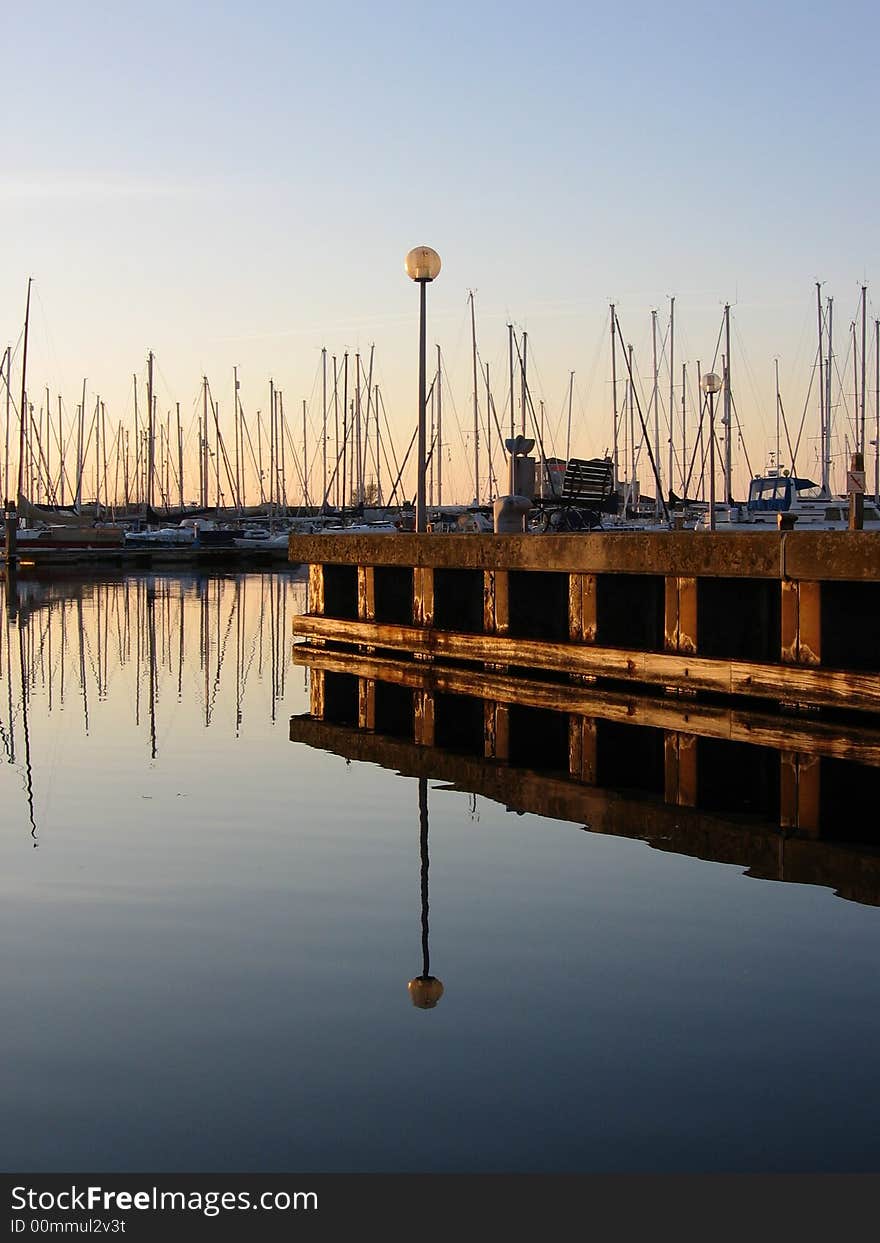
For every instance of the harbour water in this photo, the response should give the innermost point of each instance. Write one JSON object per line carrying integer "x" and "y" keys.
{"x": 209, "y": 930}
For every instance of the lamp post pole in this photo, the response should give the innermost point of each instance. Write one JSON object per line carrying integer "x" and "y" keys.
{"x": 422, "y": 265}
{"x": 710, "y": 383}
{"x": 421, "y": 511}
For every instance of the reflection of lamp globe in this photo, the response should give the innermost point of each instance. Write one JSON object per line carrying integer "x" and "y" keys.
{"x": 425, "y": 991}
{"x": 422, "y": 264}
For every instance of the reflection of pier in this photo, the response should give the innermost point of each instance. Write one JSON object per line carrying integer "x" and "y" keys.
{"x": 706, "y": 780}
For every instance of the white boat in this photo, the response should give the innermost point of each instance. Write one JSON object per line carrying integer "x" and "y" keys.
{"x": 801, "y": 500}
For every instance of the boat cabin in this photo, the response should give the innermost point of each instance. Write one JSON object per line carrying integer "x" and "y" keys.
{"x": 776, "y": 494}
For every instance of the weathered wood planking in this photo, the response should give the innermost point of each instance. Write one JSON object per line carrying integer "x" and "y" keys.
{"x": 782, "y": 733}
{"x": 800, "y": 683}
{"x": 819, "y": 555}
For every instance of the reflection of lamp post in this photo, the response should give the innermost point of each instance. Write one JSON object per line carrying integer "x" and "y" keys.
{"x": 711, "y": 384}
{"x": 422, "y": 265}
{"x": 425, "y": 990}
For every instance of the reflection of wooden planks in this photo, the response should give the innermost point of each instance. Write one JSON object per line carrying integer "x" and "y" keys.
{"x": 762, "y": 850}
{"x": 782, "y": 733}
{"x": 805, "y": 684}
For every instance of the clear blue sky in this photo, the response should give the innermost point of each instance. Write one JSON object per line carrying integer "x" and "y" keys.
{"x": 238, "y": 184}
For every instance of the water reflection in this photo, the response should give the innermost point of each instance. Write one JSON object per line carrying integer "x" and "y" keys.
{"x": 139, "y": 647}
{"x": 787, "y": 797}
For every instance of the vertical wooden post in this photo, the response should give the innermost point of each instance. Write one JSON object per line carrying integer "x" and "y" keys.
{"x": 423, "y": 596}
{"x": 366, "y": 577}
{"x": 680, "y": 618}
{"x": 582, "y": 617}
{"x": 496, "y": 731}
{"x": 680, "y": 760}
{"x": 316, "y": 693}
{"x": 496, "y": 602}
{"x": 423, "y": 718}
{"x": 582, "y": 748}
{"x": 799, "y": 790}
{"x": 315, "y": 598}
{"x": 367, "y": 703}
{"x": 801, "y": 623}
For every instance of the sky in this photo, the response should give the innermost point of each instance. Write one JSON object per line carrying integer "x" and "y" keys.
{"x": 233, "y": 185}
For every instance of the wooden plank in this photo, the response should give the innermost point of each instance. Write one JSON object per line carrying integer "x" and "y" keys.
{"x": 778, "y": 731}
{"x": 822, "y": 687}
{"x": 315, "y": 595}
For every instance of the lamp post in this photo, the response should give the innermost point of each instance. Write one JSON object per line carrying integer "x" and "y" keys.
{"x": 711, "y": 384}
{"x": 422, "y": 265}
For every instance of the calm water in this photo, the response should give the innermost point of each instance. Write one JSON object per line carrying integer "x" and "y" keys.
{"x": 208, "y": 931}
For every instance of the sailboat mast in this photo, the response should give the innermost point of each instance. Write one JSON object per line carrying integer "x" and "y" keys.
{"x": 439, "y": 449}
{"x": 324, "y": 425}
{"x": 655, "y": 394}
{"x": 180, "y": 456}
{"x": 571, "y": 396}
{"x": 235, "y": 420}
{"x": 684, "y": 457}
{"x": 777, "y": 415}
{"x": 827, "y": 460}
{"x": 728, "y": 420}
{"x": 476, "y": 401}
{"x": 151, "y": 441}
{"x": 615, "y": 456}
{"x": 862, "y": 440}
{"x": 877, "y": 412}
{"x": 23, "y": 407}
{"x": 524, "y": 394}
{"x": 671, "y": 390}
{"x": 305, "y": 460}
{"x": 510, "y": 358}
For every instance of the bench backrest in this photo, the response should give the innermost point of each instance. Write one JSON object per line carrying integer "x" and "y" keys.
{"x": 588, "y": 482}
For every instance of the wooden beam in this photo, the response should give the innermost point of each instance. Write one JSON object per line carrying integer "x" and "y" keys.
{"x": 822, "y": 687}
